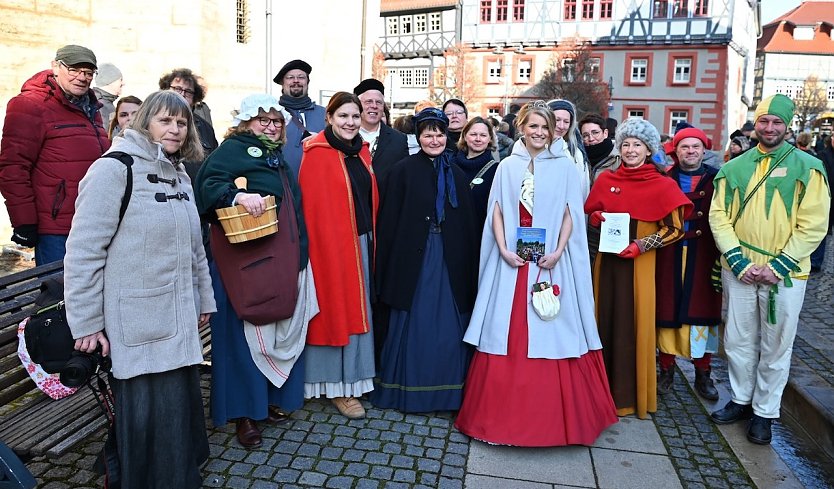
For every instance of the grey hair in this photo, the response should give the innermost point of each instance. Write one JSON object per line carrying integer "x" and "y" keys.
{"x": 169, "y": 102}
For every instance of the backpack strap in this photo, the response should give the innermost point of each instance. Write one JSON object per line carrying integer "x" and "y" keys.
{"x": 127, "y": 161}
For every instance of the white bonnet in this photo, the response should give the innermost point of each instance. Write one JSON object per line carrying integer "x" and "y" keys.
{"x": 251, "y": 105}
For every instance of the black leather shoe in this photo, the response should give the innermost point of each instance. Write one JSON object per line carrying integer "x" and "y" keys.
{"x": 704, "y": 385}
{"x": 731, "y": 413}
{"x": 248, "y": 433}
{"x": 759, "y": 430}
{"x": 665, "y": 380}
{"x": 276, "y": 416}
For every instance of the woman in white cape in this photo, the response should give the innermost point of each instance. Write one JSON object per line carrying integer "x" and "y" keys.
{"x": 534, "y": 382}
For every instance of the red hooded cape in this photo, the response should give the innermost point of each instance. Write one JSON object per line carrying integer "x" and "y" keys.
{"x": 643, "y": 192}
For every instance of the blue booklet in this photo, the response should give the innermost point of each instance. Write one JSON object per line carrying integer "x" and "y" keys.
{"x": 530, "y": 244}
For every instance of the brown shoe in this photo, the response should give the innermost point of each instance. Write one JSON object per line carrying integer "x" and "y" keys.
{"x": 248, "y": 433}
{"x": 276, "y": 416}
{"x": 350, "y": 407}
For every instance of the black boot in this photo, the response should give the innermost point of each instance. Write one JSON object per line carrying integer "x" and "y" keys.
{"x": 704, "y": 385}
{"x": 665, "y": 380}
{"x": 731, "y": 413}
{"x": 759, "y": 430}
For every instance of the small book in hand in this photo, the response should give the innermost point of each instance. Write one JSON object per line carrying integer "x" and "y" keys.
{"x": 530, "y": 243}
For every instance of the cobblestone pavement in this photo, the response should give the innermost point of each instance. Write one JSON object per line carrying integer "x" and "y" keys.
{"x": 321, "y": 448}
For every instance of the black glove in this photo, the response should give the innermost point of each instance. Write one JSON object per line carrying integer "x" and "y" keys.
{"x": 26, "y": 235}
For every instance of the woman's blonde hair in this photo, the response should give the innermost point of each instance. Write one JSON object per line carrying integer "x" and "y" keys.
{"x": 540, "y": 108}
{"x": 477, "y": 120}
{"x": 171, "y": 103}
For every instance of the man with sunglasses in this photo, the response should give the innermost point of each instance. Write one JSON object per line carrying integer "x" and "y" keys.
{"x": 52, "y": 134}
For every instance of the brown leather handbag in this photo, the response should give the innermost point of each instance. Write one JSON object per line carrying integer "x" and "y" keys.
{"x": 261, "y": 276}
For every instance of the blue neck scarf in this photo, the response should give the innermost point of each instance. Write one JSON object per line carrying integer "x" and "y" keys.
{"x": 445, "y": 184}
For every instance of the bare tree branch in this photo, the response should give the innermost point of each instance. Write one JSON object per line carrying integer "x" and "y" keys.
{"x": 574, "y": 75}
{"x": 810, "y": 101}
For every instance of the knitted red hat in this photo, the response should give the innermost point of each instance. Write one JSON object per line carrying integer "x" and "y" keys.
{"x": 691, "y": 132}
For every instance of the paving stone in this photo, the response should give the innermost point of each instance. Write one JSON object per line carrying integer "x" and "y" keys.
{"x": 392, "y": 448}
{"x": 368, "y": 434}
{"x": 319, "y": 438}
{"x": 458, "y": 437}
{"x": 279, "y": 460}
{"x": 286, "y": 475}
{"x": 309, "y": 450}
{"x": 379, "y": 424}
{"x": 331, "y": 453}
{"x": 416, "y": 419}
{"x": 421, "y": 430}
{"x": 367, "y": 444}
{"x": 357, "y": 469}
{"x": 312, "y": 479}
{"x": 262, "y": 484}
{"x": 218, "y": 465}
{"x": 294, "y": 435}
{"x": 446, "y": 483}
{"x": 413, "y": 451}
{"x": 257, "y": 457}
{"x": 434, "y": 453}
{"x": 454, "y": 459}
{"x": 402, "y": 461}
{"x": 289, "y": 447}
{"x": 405, "y": 475}
{"x": 348, "y": 431}
{"x": 397, "y": 485}
{"x": 353, "y": 455}
{"x": 428, "y": 479}
{"x": 367, "y": 484}
{"x": 340, "y": 482}
{"x": 343, "y": 442}
{"x": 384, "y": 473}
{"x": 214, "y": 480}
{"x": 303, "y": 463}
{"x": 391, "y": 415}
{"x": 434, "y": 443}
{"x": 459, "y": 448}
{"x": 263, "y": 472}
{"x": 234, "y": 454}
{"x": 238, "y": 483}
{"x": 240, "y": 468}
{"x": 392, "y": 436}
{"x": 449, "y": 471}
{"x": 376, "y": 458}
{"x": 329, "y": 467}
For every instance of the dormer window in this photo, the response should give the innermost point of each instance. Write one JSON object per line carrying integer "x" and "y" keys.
{"x": 803, "y": 33}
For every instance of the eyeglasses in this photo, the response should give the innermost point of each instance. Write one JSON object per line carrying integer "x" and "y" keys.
{"x": 76, "y": 72}
{"x": 454, "y": 112}
{"x": 183, "y": 91}
{"x": 588, "y": 135}
{"x": 296, "y": 77}
{"x": 266, "y": 121}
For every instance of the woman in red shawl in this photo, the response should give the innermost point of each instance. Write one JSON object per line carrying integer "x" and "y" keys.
{"x": 624, "y": 283}
{"x": 340, "y": 200}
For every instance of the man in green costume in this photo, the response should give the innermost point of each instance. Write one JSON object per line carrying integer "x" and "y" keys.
{"x": 768, "y": 213}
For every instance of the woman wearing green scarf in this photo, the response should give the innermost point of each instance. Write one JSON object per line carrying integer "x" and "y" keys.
{"x": 248, "y": 166}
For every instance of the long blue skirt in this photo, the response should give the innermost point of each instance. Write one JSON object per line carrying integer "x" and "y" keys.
{"x": 238, "y": 388}
{"x": 424, "y": 359}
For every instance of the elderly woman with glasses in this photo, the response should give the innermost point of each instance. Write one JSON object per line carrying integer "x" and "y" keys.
{"x": 247, "y": 167}
{"x": 137, "y": 287}
{"x": 426, "y": 271}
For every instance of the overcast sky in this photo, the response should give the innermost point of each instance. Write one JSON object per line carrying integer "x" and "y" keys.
{"x": 774, "y": 8}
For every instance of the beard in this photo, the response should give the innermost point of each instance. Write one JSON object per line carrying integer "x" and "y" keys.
{"x": 296, "y": 91}
{"x": 770, "y": 142}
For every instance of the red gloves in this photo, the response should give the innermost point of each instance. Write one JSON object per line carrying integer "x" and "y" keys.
{"x": 632, "y": 251}
{"x": 596, "y": 218}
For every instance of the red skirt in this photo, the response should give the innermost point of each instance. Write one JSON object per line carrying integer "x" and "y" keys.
{"x": 534, "y": 402}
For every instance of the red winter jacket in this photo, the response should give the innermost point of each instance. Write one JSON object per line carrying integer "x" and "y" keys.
{"x": 48, "y": 144}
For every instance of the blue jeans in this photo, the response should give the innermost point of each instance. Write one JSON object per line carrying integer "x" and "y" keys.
{"x": 50, "y": 248}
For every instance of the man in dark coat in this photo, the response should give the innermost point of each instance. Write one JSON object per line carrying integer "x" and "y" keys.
{"x": 688, "y": 306}
{"x": 388, "y": 145}
{"x": 306, "y": 117}
{"x": 52, "y": 134}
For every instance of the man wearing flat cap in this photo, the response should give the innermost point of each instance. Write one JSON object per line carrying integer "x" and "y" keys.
{"x": 306, "y": 117}
{"x": 388, "y": 145}
{"x": 768, "y": 213}
{"x": 52, "y": 134}
{"x": 688, "y": 303}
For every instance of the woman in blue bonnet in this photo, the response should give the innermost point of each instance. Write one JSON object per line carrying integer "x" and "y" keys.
{"x": 426, "y": 274}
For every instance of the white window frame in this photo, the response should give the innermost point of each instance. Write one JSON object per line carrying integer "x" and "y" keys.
{"x": 421, "y": 25}
{"x": 406, "y": 24}
{"x": 524, "y": 73}
{"x": 676, "y": 116}
{"x": 392, "y": 26}
{"x": 421, "y": 77}
{"x": 639, "y": 70}
{"x": 406, "y": 77}
{"x": 635, "y": 112}
{"x": 493, "y": 112}
{"x": 494, "y": 70}
{"x": 683, "y": 71}
{"x": 435, "y": 22}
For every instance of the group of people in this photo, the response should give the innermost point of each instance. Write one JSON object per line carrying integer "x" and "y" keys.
{"x": 395, "y": 272}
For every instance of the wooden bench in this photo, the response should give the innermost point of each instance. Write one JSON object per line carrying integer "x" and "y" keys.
{"x": 31, "y": 423}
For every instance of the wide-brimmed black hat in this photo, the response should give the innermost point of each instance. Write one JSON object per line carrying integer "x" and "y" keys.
{"x": 296, "y": 64}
